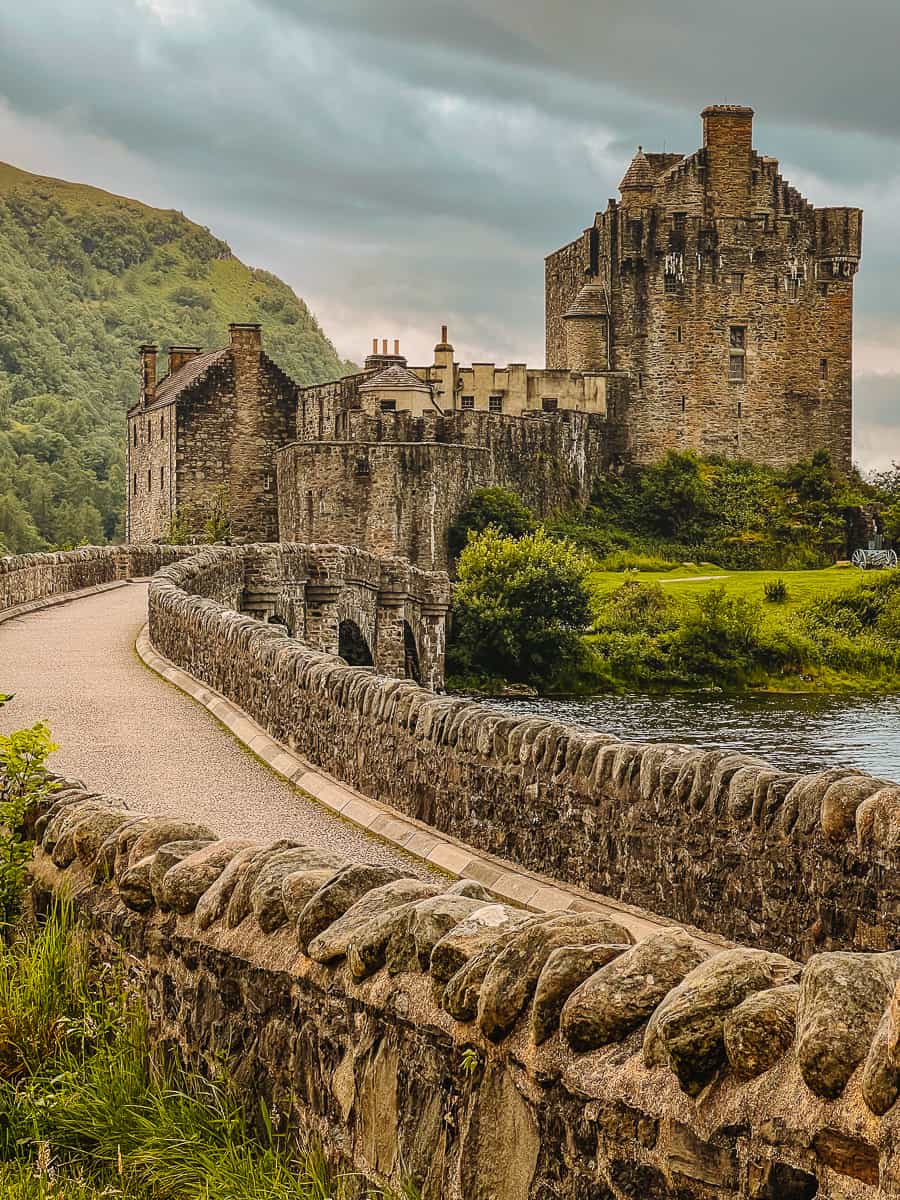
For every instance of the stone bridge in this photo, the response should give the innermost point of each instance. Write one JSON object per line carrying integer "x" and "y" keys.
{"x": 506, "y": 1036}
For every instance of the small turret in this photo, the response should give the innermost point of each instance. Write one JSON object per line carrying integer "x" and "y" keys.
{"x": 587, "y": 330}
{"x": 637, "y": 183}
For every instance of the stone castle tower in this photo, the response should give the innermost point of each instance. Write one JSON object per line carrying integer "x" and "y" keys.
{"x": 722, "y": 295}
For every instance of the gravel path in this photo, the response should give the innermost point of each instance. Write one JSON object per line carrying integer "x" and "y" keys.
{"x": 127, "y": 733}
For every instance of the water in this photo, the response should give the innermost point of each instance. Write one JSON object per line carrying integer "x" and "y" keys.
{"x": 798, "y": 733}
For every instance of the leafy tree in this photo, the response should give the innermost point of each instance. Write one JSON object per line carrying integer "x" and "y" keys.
{"x": 84, "y": 278}
{"x": 519, "y": 607}
{"x": 23, "y": 784}
{"x": 497, "y": 507}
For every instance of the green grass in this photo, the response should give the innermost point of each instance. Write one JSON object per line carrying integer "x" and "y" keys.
{"x": 86, "y": 1112}
{"x": 687, "y": 581}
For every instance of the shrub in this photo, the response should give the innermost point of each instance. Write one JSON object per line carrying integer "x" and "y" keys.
{"x": 775, "y": 591}
{"x": 519, "y": 607}
{"x": 496, "y": 507}
{"x": 630, "y": 560}
{"x": 23, "y": 784}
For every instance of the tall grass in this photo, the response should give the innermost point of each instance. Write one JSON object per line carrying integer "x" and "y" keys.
{"x": 86, "y": 1112}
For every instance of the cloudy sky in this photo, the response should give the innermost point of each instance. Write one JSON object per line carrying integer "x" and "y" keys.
{"x": 403, "y": 163}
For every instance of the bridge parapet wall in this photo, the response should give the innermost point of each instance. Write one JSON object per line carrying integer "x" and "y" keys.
{"x": 26, "y": 578}
{"x": 425, "y": 1032}
{"x": 794, "y": 863}
{"x": 313, "y": 591}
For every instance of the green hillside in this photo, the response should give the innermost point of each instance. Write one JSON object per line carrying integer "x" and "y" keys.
{"x": 86, "y": 276}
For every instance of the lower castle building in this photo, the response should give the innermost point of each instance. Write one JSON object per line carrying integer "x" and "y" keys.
{"x": 710, "y": 309}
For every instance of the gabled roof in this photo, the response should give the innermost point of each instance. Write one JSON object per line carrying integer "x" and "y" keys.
{"x": 396, "y": 378}
{"x": 193, "y": 371}
{"x": 590, "y": 302}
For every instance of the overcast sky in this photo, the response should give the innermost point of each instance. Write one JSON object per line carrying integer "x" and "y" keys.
{"x": 403, "y": 163}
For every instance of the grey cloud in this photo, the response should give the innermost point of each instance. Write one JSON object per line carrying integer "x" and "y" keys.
{"x": 411, "y": 161}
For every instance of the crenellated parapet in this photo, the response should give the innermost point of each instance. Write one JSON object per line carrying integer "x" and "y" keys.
{"x": 427, "y": 1032}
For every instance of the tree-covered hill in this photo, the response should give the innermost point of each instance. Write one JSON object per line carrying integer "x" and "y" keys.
{"x": 85, "y": 277}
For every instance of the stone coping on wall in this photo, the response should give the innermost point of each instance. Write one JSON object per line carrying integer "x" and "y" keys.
{"x": 535, "y": 892}
{"x": 420, "y": 1024}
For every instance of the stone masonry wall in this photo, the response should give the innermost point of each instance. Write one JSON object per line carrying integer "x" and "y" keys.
{"x": 794, "y": 863}
{"x": 394, "y": 484}
{"x": 425, "y": 1033}
{"x": 25, "y": 578}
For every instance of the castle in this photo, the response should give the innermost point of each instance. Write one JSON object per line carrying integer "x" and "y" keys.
{"x": 710, "y": 308}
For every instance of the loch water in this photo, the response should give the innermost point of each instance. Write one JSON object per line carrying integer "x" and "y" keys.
{"x": 798, "y": 733}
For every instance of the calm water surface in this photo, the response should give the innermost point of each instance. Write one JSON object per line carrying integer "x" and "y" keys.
{"x": 798, "y": 733}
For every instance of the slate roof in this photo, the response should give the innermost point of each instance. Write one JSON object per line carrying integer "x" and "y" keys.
{"x": 639, "y": 174}
{"x": 590, "y": 302}
{"x": 171, "y": 386}
{"x": 398, "y": 379}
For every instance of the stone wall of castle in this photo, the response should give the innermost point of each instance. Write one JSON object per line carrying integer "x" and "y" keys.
{"x": 427, "y": 1034}
{"x": 792, "y": 862}
{"x": 730, "y": 302}
{"x": 393, "y": 484}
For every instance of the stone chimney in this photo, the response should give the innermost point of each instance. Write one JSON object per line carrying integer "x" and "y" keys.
{"x": 728, "y": 143}
{"x": 148, "y": 373}
{"x": 246, "y": 336}
{"x": 379, "y": 360}
{"x": 179, "y": 355}
{"x": 444, "y": 373}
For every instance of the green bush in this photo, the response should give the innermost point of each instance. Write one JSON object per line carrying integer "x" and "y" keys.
{"x": 495, "y": 507}
{"x": 24, "y": 783}
{"x": 630, "y": 560}
{"x": 519, "y": 608}
{"x": 775, "y": 591}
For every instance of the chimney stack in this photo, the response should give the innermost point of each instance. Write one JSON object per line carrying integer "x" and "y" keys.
{"x": 246, "y": 335}
{"x": 728, "y": 145}
{"x": 148, "y": 373}
{"x": 397, "y": 347}
{"x": 374, "y": 345}
{"x": 179, "y": 355}
{"x": 384, "y": 345}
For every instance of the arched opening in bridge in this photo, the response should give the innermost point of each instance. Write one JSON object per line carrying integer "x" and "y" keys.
{"x": 352, "y": 646}
{"x": 411, "y": 654}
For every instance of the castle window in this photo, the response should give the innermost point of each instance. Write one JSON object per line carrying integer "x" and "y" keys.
{"x": 467, "y": 402}
{"x": 149, "y": 480}
{"x": 134, "y": 485}
{"x": 683, "y": 403}
{"x": 134, "y": 432}
{"x": 740, "y": 410}
{"x": 679, "y": 334}
{"x": 162, "y": 478}
{"x": 267, "y": 482}
{"x": 737, "y": 358}
{"x": 362, "y": 468}
{"x": 495, "y": 404}
{"x": 640, "y": 382}
{"x": 823, "y": 369}
{"x": 636, "y": 230}
{"x": 762, "y": 221}
{"x": 823, "y": 289}
{"x": 549, "y": 404}
{"x": 678, "y": 221}
{"x": 388, "y": 406}
{"x": 149, "y": 432}
{"x": 162, "y": 424}
{"x": 670, "y": 284}
{"x": 793, "y": 287}
{"x": 737, "y": 282}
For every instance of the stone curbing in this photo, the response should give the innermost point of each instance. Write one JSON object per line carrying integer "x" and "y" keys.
{"x": 537, "y": 893}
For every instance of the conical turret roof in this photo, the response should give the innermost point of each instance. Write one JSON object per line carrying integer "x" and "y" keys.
{"x": 639, "y": 174}
{"x": 590, "y": 302}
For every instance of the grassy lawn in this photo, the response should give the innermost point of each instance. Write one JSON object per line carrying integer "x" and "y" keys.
{"x": 684, "y": 582}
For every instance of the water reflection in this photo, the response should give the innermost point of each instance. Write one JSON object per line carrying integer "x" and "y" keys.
{"x": 799, "y": 733}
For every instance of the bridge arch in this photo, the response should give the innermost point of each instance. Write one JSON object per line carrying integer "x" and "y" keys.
{"x": 352, "y": 645}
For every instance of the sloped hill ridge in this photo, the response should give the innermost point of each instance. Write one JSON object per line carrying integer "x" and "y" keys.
{"x": 85, "y": 276}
